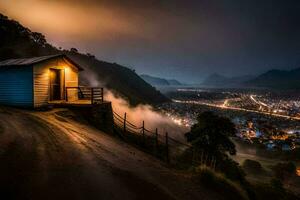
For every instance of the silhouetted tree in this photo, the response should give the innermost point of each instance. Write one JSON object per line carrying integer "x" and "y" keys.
{"x": 39, "y": 38}
{"x": 212, "y": 133}
{"x": 74, "y": 50}
{"x": 90, "y": 55}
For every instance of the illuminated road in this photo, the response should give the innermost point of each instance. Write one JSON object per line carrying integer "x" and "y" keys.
{"x": 223, "y": 106}
{"x": 258, "y": 102}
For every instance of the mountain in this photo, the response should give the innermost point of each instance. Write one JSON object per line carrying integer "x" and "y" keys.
{"x": 156, "y": 81}
{"x": 277, "y": 79}
{"x": 120, "y": 79}
{"x": 174, "y": 82}
{"x": 20, "y": 42}
{"x": 217, "y": 80}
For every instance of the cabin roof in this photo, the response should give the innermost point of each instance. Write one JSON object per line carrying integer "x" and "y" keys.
{"x": 35, "y": 60}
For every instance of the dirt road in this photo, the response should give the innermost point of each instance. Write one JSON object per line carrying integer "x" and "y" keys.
{"x": 53, "y": 155}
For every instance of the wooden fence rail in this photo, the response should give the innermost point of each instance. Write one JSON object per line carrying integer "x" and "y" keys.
{"x": 162, "y": 146}
{"x": 94, "y": 94}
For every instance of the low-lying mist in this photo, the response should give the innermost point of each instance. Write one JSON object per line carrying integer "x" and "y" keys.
{"x": 136, "y": 115}
{"x": 153, "y": 119}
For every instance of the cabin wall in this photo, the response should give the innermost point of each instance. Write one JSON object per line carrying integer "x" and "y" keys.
{"x": 71, "y": 80}
{"x": 16, "y": 86}
{"x": 41, "y": 76}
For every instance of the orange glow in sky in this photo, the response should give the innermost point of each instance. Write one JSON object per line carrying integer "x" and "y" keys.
{"x": 160, "y": 38}
{"x": 60, "y": 20}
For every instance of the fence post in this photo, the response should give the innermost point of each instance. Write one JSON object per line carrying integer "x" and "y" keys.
{"x": 156, "y": 140}
{"x": 193, "y": 155}
{"x": 214, "y": 164}
{"x": 206, "y": 157}
{"x": 143, "y": 132}
{"x": 124, "y": 124}
{"x": 167, "y": 148}
{"x": 92, "y": 95}
{"x": 102, "y": 97}
{"x": 202, "y": 154}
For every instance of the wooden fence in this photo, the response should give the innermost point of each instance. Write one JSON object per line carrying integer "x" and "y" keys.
{"x": 163, "y": 146}
{"x": 94, "y": 94}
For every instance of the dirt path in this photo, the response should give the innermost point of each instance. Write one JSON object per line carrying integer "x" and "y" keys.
{"x": 49, "y": 155}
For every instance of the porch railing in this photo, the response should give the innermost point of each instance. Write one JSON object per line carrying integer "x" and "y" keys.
{"x": 94, "y": 94}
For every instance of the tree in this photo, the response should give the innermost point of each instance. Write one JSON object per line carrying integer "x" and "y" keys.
{"x": 39, "y": 38}
{"x": 74, "y": 50}
{"x": 212, "y": 134}
{"x": 90, "y": 55}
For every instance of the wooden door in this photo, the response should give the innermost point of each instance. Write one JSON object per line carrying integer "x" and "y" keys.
{"x": 55, "y": 84}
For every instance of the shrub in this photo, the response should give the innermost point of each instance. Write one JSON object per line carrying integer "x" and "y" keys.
{"x": 277, "y": 185}
{"x": 252, "y": 166}
{"x": 231, "y": 170}
{"x": 273, "y": 191}
{"x": 283, "y": 171}
{"x": 219, "y": 183}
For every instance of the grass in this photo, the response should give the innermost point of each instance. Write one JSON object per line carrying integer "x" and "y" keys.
{"x": 269, "y": 191}
{"x": 146, "y": 144}
{"x": 228, "y": 189}
{"x": 220, "y": 184}
{"x": 253, "y": 167}
{"x": 1, "y": 130}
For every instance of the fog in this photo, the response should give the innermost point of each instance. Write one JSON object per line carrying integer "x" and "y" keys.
{"x": 137, "y": 114}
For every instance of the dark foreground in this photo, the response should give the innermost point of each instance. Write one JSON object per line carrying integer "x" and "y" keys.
{"x": 49, "y": 155}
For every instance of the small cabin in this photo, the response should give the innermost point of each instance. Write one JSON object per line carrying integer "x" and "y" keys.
{"x": 41, "y": 81}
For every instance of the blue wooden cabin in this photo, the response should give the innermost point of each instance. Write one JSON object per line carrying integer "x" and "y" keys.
{"x": 36, "y": 82}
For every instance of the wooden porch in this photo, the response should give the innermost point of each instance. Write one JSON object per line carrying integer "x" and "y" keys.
{"x": 80, "y": 96}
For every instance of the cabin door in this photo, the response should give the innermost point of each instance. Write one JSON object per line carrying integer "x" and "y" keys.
{"x": 56, "y": 84}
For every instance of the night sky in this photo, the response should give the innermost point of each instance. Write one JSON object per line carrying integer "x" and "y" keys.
{"x": 180, "y": 39}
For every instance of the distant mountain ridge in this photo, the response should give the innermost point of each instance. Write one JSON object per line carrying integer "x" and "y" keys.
{"x": 17, "y": 41}
{"x": 277, "y": 79}
{"x": 156, "y": 81}
{"x": 272, "y": 79}
{"x": 217, "y": 80}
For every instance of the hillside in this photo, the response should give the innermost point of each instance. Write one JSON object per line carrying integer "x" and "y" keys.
{"x": 156, "y": 81}
{"x": 57, "y": 155}
{"x": 120, "y": 79}
{"x": 277, "y": 79}
{"x": 20, "y": 42}
{"x": 217, "y": 80}
{"x": 174, "y": 82}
